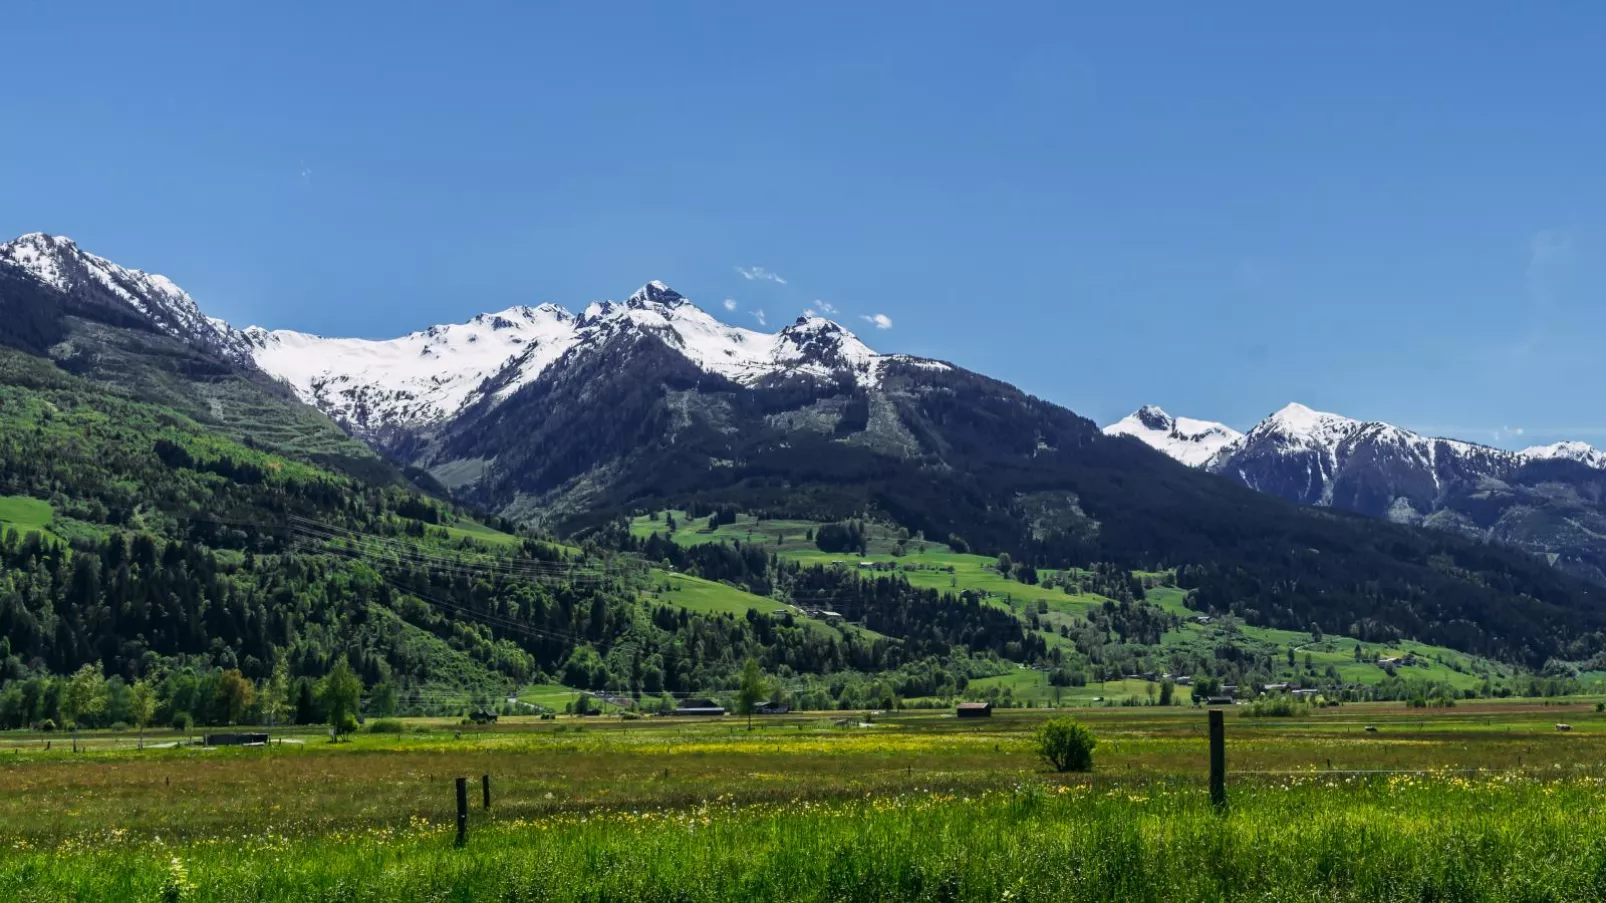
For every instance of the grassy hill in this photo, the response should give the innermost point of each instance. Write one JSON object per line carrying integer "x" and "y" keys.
{"x": 1059, "y": 607}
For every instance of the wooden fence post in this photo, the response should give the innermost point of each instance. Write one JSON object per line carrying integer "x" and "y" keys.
{"x": 485, "y": 786}
{"x": 462, "y": 811}
{"x": 1218, "y": 759}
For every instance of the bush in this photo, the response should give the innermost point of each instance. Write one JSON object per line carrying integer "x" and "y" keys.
{"x": 183, "y": 722}
{"x": 47, "y": 725}
{"x": 387, "y": 726}
{"x": 1275, "y": 707}
{"x": 1066, "y": 745}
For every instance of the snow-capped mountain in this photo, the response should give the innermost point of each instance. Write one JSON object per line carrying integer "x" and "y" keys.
{"x": 58, "y": 262}
{"x": 420, "y": 378}
{"x": 541, "y": 414}
{"x": 424, "y": 379}
{"x": 1317, "y": 458}
{"x": 1582, "y": 452}
{"x": 1546, "y": 499}
{"x": 428, "y": 377}
{"x": 810, "y": 345}
{"x": 1193, "y": 442}
{"x": 1332, "y": 442}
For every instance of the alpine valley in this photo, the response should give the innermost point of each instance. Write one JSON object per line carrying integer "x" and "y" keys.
{"x": 635, "y": 498}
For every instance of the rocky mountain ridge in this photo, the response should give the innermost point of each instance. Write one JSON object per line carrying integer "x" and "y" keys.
{"x": 1545, "y": 499}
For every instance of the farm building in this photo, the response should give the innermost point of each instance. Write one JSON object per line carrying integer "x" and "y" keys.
{"x": 699, "y": 707}
{"x": 481, "y": 716}
{"x": 235, "y": 739}
{"x": 772, "y": 708}
{"x": 974, "y": 710}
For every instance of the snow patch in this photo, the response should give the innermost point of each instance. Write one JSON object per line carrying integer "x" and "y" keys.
{"x": 1192, "y": 442}
{"x": 1582, "y": 452}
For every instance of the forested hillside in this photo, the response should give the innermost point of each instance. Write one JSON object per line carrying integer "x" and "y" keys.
{"x": 171, "y": 553}
{"x": 170, "y": 513}
{"x": 955, "y": 455}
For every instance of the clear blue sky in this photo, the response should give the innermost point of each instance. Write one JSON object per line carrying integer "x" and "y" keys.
{"x": 1390, "y": 210}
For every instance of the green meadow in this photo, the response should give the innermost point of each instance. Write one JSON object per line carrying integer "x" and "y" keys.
{"x": 24, "y": 514}
{"x": 1489, "y": 802}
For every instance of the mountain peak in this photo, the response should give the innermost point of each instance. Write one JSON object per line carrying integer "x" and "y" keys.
{"x": 1295, "y": 413}
{"x": 1297, "y": 421}
{"x": 1582, "y": 452}
{"x": 42, "y": 255}
{"x": 810, "y": 323}
{"x": 1155, "y": 418}
{"x": 1192, "y": 442}
{"x": 58, "y": 261}
{"x": 656, "y": 292}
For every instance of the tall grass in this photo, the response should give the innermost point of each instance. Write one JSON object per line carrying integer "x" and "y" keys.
{"x": 1443, "y": 837}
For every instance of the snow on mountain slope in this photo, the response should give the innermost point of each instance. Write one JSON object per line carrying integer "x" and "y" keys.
{"x": 428, "y": 377}
{"x": 1582, "y": 452}
{"x": 420, "y": 378}
{"x": 58, "y": 262}
{"x": 1318, "y": 458}
{"x": 1193, "y": 442}
{"x": 811, "y": 345}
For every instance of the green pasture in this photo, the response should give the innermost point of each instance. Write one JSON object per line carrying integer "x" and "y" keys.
{"x": 1489, "y": 802}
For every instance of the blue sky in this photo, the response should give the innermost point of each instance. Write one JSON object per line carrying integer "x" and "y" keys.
{"x": 1389, "y": 212}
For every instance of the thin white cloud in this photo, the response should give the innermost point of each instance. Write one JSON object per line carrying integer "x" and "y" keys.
{"x": 1549, "y": 246}
{"x": 880, "y": 321}
{"x": 759, "y": 274}
{"x": 827, "y": 306}
{"x": 1511, "y": 433}
{"x": 730, "y": 303}
{"x": 1550, "y": 251}
{"x": 808, "y": 311}
{"x": 759, "y": 316}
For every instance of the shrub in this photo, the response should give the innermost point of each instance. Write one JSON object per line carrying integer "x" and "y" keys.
{"x": 47, "y": 725}
{"x": 347, "y": 724}
{"x": 183, "y": 721}
{"x": 1066, "y": 745}
{"x": 1275, "y": 707}
{"x": 387, "y": 726}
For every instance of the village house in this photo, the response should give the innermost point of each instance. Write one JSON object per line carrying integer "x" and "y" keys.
{"x": 974, "y": 710}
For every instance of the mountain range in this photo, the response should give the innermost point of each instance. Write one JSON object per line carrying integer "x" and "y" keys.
{"x": 575, "y": 421}
{"x": 1546, "y": 499}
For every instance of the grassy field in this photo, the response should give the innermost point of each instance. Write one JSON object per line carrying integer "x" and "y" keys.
{"x": 1483, "y": 802}
{"x": 25, "y": 515}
